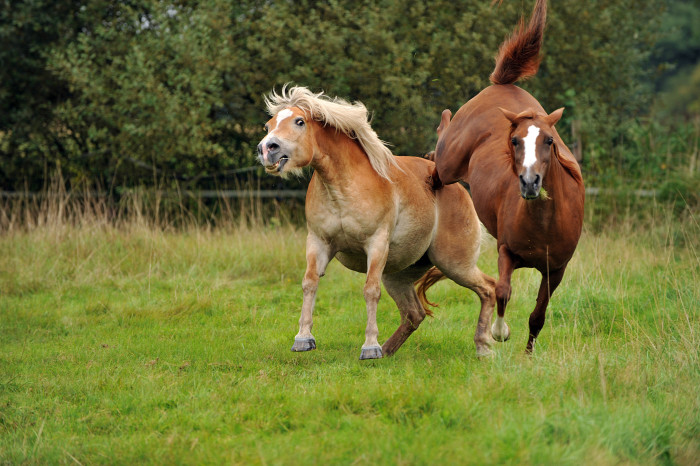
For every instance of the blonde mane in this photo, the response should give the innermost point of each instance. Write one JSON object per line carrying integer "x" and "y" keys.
{"x": 351, "y": 119}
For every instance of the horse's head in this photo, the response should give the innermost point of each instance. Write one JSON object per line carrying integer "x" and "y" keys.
{"x": 288, "y": 147}
{"x": 533, "y": 144}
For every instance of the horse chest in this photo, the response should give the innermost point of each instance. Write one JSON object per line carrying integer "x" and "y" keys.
{"x": 539, "y": 242}
{"x": 346, "y": 228}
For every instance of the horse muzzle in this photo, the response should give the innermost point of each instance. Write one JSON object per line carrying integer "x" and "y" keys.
{"x": 530, "y": 187}
{"x": 271, "y": 155}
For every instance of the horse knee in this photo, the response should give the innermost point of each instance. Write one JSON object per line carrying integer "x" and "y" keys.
{"x": 503, "y": 292}
{"x": 372, "y": 292}
{"x": 309, "y": 285}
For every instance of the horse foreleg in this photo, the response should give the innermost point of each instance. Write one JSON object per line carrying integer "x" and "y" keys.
{"x": 318, "y": 254}
{"x": 400, "y": 288}
{"x": 547, "y": 287}
{"x": 506, "y": 265}
{"x": 377, "y": 254}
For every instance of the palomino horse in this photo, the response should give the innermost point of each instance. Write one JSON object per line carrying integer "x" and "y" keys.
{"x": 526, "y": 185}
{"x": 375, "y": 212}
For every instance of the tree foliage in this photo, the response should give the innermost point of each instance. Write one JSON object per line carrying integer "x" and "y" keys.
{"x": 135, "y": 92}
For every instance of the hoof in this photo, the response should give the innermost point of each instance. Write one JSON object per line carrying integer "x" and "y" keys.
{"x": 373, "y": 352}
{"x": 500, "y": 332}
{"x": 304, "y": 344}
{"x": 484, "y": 353}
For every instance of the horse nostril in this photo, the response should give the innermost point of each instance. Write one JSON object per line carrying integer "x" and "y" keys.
{"x": 537, "y": 179}
{"x": 522, "y": 181}
{"x": 273, "y": 147}
{"x": 259, "y": 149}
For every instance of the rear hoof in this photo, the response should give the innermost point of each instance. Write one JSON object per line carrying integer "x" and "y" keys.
{"x": 483, "y": 353}
{"x": 500, "y": 330}
{"x": 373, "y": 352}
{"x": 304, "y": 344}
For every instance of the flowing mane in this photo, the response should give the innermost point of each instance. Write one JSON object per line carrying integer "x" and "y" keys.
{"x": 351, "y": 119}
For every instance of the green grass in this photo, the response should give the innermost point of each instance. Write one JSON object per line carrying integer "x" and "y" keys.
{"x": 130, "y": 344}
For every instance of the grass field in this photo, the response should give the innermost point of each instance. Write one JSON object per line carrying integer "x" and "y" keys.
{"x": 133, "y": 344}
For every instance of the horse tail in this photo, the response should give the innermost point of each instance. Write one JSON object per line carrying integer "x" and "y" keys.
{"x": 430, "y": 278}
{"x": 519, "y": 55}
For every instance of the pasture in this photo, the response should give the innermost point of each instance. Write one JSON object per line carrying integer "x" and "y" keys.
{"x": 133, "y": 343}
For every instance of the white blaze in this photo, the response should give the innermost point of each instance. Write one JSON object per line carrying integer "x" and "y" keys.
{"x": 281, "y": 116}
{"x": 531, "y": 146}
{"x": 286, "y": 113}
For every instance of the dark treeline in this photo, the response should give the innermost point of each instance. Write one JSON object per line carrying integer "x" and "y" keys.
{"x": 148, "y": 92}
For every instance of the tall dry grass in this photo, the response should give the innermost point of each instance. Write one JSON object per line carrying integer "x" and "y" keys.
{"x": 55, "y": 209}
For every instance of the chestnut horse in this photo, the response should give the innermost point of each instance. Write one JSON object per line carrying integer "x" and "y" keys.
{"x": 525, "y": 183}
{"x": 374, "y": 212}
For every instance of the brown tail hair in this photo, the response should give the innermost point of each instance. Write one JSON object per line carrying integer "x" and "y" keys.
{"x": 519, "y": 55}
{"x": 430, "y": 278}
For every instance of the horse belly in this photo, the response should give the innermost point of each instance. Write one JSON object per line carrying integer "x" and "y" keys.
{"x": 410, "y": 241}
{"x": 355, "y": 261}
{"x": 406, "y": 247}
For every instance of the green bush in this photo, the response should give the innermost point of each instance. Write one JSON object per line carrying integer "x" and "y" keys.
{"x": 154, "y": 93}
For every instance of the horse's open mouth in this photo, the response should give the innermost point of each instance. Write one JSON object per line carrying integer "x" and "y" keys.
{"x": 277, "y": 166}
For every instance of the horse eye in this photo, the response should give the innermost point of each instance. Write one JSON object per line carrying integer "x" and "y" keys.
{"x": 266, "y": 128}
{"x": 514, "y": 141}
{"x": 300, "y": 122}
{"x": 549, "y": 141}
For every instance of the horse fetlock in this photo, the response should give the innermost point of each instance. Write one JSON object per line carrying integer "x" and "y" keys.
{"x": 483, "y": 345}
{"x": 484, "y": 352}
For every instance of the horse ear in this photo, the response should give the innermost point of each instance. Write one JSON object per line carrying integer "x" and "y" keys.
{"x": 508, "y": 114}
{"x": 555, "y": 116}
{"x": 444, "y": 121}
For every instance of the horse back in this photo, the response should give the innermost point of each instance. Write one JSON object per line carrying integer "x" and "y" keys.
{"x": 477, "y": 125}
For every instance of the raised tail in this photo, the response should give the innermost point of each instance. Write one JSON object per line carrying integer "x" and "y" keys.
{"x": 430, "y": 278}
{"x": 519, "y": 56}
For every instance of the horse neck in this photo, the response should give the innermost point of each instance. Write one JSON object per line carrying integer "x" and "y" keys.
{"x": 340, "y": 162}
{"x": 557, "y": 182}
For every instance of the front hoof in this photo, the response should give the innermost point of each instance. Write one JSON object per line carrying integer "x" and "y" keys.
{"x": 304, "y": 344}
{"x": 373, "y": 352}
{"x": 483, "y": 353}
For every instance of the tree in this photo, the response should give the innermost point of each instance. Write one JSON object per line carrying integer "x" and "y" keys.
{"x": 148, "y": 91}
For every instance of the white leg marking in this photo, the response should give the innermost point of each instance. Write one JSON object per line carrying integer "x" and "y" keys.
{"x": 498, "y": 326}
{"x": 500, "y": 330}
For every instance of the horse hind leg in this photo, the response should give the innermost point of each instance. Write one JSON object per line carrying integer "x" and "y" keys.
{"x": 400, "y": 288}
{"x": 484, "y": 287}
{"x": 537, "y": 318}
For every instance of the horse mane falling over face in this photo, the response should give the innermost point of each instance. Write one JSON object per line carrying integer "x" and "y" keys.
{"x": 372, "y": 211}
{"x": 351, "y": 119}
